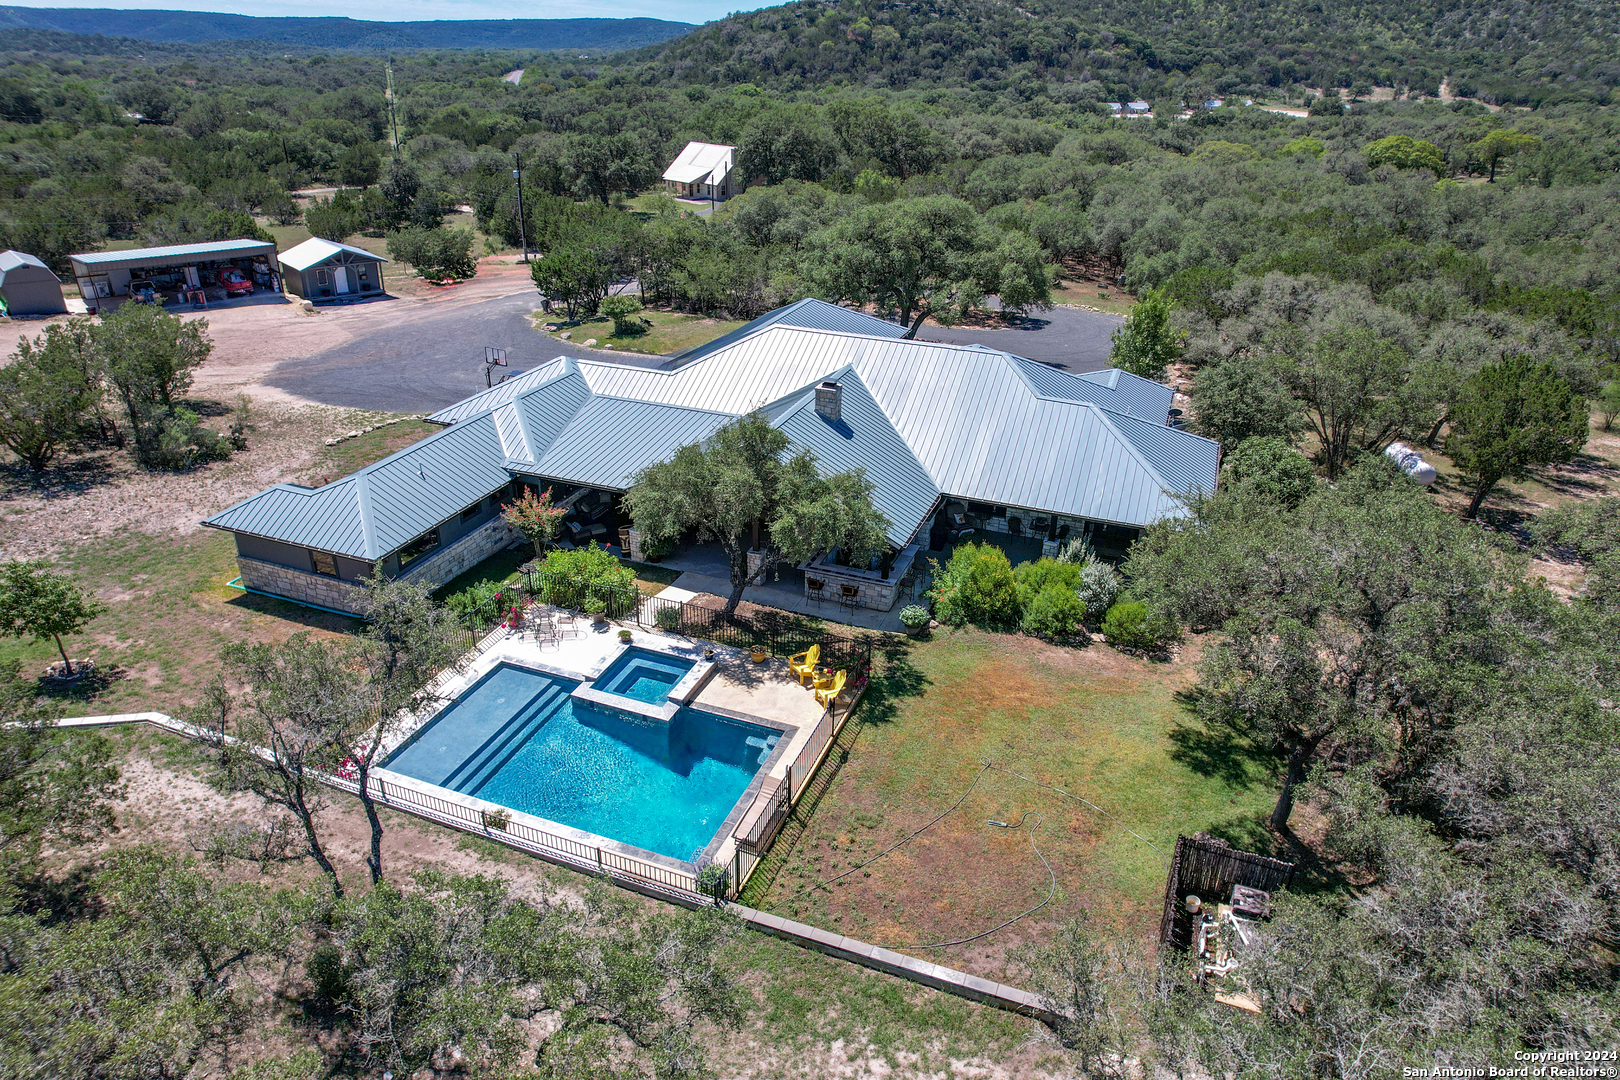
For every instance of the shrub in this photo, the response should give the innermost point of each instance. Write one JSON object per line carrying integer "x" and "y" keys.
{"x": 482, "y": 604}
{"x": 1266, "y": 466}
{"x": 184, "y": 441}
{"x": 977, "y": 586}
{"x": 914, "y": 616}
{"x": 1041, "y": 574}
{"x": 497, "y": 820}
{"x": 713, "y": 879}
{"x": 669, "y": 618}
{"x": 1131, "y": 625}
{"x": 328, "y": 973}
{"x": 439, "y": 253}
{"x": 1053, "y": 612}
{"x": 620, "y": 309}
{"x": 570, "y": 577}
{"x": 1100, "y": 585}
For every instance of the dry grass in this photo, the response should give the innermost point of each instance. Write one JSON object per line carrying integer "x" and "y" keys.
{"x": 1101, "y": 725}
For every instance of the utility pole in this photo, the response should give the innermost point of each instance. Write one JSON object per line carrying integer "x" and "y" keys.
{"x": 393, "y": 121}
{"x": 523, "y": 233}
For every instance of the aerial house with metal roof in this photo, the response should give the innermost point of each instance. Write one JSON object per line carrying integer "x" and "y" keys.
{"x": 941, "y": 430}
{"x": 703, "y": 171}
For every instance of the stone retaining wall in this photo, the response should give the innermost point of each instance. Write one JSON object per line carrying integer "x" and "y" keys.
{"x": 442, "y": 566}
{"x": 329, "y": 592}
{"x": 301, "y": 585}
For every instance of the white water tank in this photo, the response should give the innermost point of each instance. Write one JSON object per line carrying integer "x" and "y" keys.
{"x": 1411, "y": 463}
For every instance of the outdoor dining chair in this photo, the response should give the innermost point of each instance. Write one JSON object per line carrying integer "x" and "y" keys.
{"x": 815, "y": 590}
{"x": 849, "y": 596}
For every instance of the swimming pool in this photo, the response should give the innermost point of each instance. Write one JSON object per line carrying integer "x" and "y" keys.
{"x": 643, "y": 675}
{"x": 517, "y": 739}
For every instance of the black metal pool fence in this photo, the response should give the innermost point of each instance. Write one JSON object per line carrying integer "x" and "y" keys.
{"x": 780, "y": 633}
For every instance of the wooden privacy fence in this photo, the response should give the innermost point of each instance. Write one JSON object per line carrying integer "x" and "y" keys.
{"x": 1208, "y": 869}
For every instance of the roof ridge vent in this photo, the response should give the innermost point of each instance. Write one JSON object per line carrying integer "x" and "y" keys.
{"x": 830, "y": 401}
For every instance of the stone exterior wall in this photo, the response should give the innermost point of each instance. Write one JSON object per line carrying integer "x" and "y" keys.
{"x": 442, "y": 566}
{"x": 300, "y": 585}
{"x": 329, "y": 592}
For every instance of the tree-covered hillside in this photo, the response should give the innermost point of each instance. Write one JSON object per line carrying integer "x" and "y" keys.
{"x": 1501, "y": 52}
{"x": 343, "y": 33}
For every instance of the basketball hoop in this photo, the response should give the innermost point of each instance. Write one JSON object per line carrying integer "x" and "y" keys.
{"x": 493, "y": 358}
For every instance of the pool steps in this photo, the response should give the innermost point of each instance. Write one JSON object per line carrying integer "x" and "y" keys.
{"x": 764, "y": 744}
{"x": 487, "y": 760}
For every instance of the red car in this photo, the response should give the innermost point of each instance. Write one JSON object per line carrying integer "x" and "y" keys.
{"x": 235, "y": 282}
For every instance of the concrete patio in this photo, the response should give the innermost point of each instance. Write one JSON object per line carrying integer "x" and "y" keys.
{"x": 704, "y": 569}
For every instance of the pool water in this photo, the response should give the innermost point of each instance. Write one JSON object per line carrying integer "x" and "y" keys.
{"x": 518, "y": 740}
{"x": 643, "y": 675}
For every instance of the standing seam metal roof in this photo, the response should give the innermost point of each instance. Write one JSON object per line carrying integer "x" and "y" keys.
{"x": 865, "y": 438}
{"x": 923, "y": 418}
{"x": 176, "y": 251}
{"x": 316, "y": 250}
{"x": 808, "y": 314}
{"x": 386, "y": 505}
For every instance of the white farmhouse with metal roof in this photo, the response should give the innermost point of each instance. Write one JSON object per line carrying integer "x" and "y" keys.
{"x": 703, "y": 171}
{"x": 935, "y": 427}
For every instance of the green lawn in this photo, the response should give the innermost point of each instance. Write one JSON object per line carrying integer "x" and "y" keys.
{"x": 1102, "y": 726}
{"x": 671, "y": 332}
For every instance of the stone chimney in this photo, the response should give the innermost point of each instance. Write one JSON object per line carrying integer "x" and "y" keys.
{"x": 829, "y": 401}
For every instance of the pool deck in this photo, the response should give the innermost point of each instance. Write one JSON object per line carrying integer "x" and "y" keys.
{"x": 733, "y": 686}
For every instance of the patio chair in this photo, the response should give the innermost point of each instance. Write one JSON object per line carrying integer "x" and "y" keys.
{"x": 849, "y": 596}
{"x": 803, "y": 665}
{"x": 815, "y": 590}
{"x": 567, "y": 620}
{"x": 907, "y": 589}
{"x": 826, "y": 695}
{"x": 538, "y": 621}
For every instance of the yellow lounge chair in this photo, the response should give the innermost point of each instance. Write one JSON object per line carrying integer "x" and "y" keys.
{"x": 826, "y": 695}
{"x": 803, "y": 665}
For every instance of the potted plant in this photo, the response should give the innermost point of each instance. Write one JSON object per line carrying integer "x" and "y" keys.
{"x": 708, "y": 653}
{"x": 624, "y": 635}
{"x": 758, "y": 653}
{"x": 915, "y": 619}
{"x": 596, "y": 608}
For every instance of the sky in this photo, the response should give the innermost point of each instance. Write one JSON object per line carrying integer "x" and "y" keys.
{"x": 693, "y": 11}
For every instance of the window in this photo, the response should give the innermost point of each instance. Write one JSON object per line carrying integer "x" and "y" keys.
{"x": 320, "y": 277}
{"x": 472, "y": 511}
{"x": 418, "y": 547}
{"x": 324, "y": 563}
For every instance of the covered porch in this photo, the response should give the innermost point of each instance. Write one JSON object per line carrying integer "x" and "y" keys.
{"x": 704, "y": 569}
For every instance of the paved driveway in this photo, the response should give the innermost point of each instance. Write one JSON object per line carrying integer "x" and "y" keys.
{"x": 413, "y": 357}
{"x": 1068, "y": 338}
{"x": 425, "y": 358}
